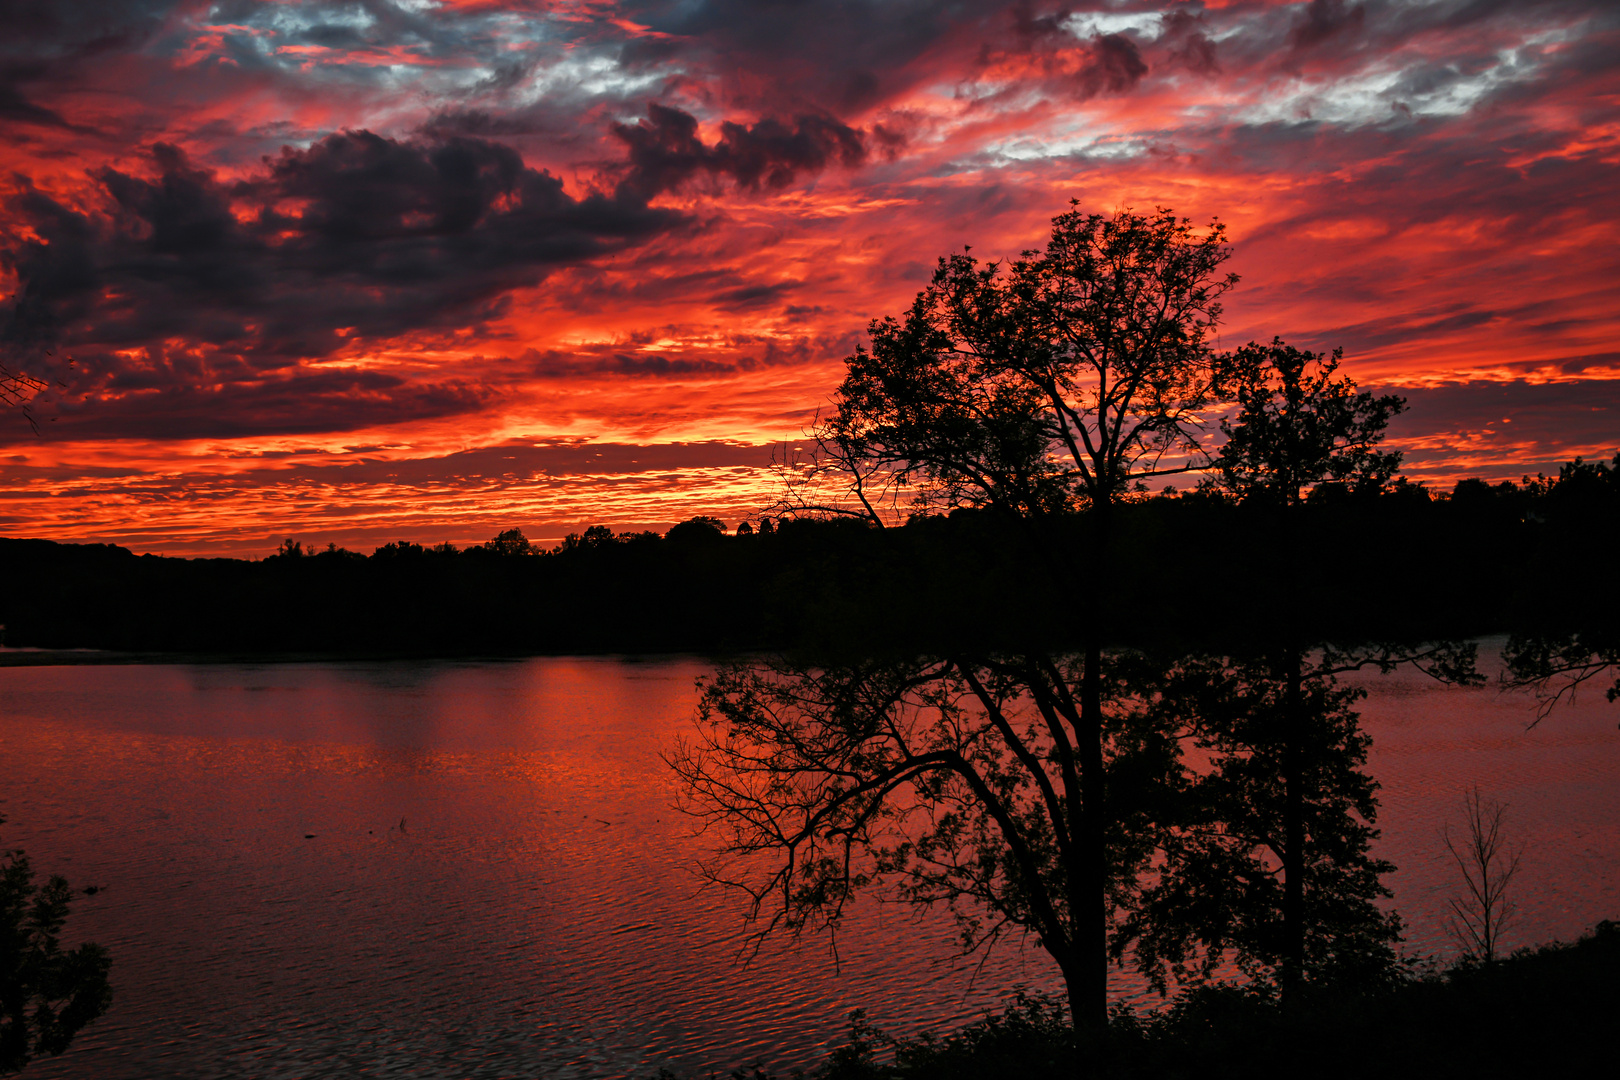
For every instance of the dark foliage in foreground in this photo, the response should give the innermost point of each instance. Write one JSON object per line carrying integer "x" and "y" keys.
{"x": 1539, "y": 1013}
{"x": 47, "y": 993}
{"x": 1485, "y": 559}
{"x": 1547, "y": 1012}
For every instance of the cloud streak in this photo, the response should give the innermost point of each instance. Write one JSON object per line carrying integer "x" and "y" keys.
{"x": 292, "y": 228}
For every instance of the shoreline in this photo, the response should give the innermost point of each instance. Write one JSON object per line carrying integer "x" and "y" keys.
{"x": 39, "y": 657}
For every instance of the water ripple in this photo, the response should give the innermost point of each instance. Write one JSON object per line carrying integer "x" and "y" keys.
{"x": 495, "y": 885}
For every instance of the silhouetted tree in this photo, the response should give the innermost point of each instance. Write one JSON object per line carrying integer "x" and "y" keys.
{"x": 931, "y": 781}
{"x": 699, "y": 529}
{"x": 47, "y": 994}
{"x": 1056, "y": 383}
{"x": 1298, "y": 426}
{"x": 1488, "y": 866}
{"x": 1555, "y": 665}
{"x": 1578, "y": 641}
{"x": 597, "y": 536}
{"x": 399, "y": 549}
{"x": 1269, "y": 863}
{"x": 1273, "y": 866}
{"x": 509, "y": 542}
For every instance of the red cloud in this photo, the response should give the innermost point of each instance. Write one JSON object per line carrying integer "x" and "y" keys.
{"x": 305, "y": 230}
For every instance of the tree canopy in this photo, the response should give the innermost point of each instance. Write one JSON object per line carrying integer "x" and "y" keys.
{"x": 1038, "y": 386}
{"x": 1298, "y": 424}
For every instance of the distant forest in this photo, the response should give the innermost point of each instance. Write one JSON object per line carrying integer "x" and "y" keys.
{"x": 1404, "y": 564}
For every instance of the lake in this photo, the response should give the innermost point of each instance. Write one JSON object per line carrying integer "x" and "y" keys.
{"x": 472, "y": 869}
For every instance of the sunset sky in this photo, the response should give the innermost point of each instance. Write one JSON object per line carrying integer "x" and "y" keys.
{"x": 407, "y": 269}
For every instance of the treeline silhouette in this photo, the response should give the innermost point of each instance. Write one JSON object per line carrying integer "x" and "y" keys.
{"x": 1406, "y": 563}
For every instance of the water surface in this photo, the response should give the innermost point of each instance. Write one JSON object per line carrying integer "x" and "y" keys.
{"x": 472, "y": 869}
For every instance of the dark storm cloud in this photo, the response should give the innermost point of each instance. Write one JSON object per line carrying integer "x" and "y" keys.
{"x": 182, "y": 397}
{"x": 503, "y": 463}
{"x": 15, "y": 108}
{"x": 839, "y": 56}
{"x": 1323, "y": 20}
{"x": 1188, "y": 43}
{"x": 43, "y": 44}
{"x": 849, "y": 56}
{"x": 654, "y": 278}
{"x": 666, "y": 153}
{"x": 1062, "y": 65}
{"x": 484, "y": 124}
{"x": 1115, "y": 66}
{"x": 57, "y": 32}
{"x": 521, "y": 460}
{"x": 356, "y": 236}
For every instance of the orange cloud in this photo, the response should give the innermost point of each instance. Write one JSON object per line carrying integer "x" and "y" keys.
{"x": 290, "y": 249}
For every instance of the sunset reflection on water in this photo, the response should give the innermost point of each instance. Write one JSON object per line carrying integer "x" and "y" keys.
{"x": 496, "y": 884}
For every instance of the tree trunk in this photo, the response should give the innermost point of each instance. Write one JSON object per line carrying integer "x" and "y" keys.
{"x": 1079, "y": 1011}
{"x": 1091, "y": 920}
{"x": 1294, "y": 822}
{"x": 1091, "y": 926}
